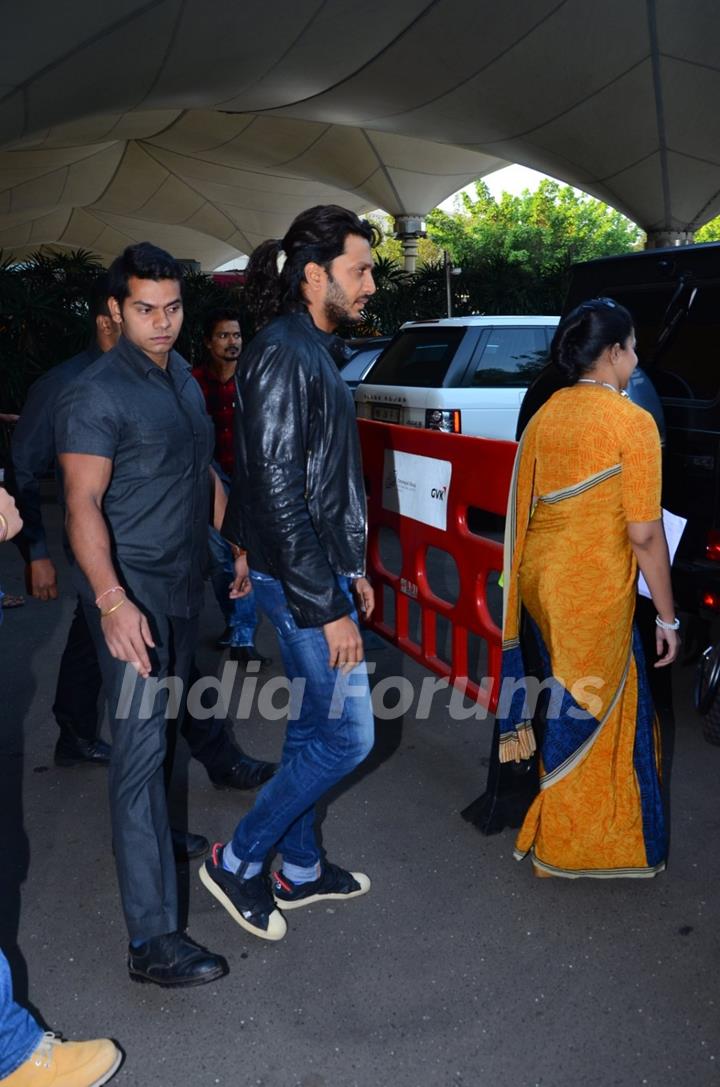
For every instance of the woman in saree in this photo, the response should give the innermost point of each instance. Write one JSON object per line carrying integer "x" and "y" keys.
{"x": 584, "y": 513}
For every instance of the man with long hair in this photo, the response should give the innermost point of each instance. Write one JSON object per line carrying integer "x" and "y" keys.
{"x": 297, "y": 508}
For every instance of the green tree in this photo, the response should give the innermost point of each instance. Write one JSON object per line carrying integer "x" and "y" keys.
{"x": 515, "y": 254}
{"x": 534, "y": 236}
{"x": 709, "y": 232}
{"x": 552, "y": 227}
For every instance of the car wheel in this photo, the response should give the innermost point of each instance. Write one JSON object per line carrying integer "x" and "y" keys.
{"x": 707, "y": 693}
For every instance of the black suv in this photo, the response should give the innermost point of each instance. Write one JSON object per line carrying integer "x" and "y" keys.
{"x": 674, "y": 297}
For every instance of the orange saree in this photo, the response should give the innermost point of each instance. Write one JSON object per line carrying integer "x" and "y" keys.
{"x": 588, "y": 463}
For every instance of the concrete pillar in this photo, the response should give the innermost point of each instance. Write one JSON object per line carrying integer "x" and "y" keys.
{"x": 662, "y": 239}
{"x": 409, "y": 229}
{"x": 410, "y": 252}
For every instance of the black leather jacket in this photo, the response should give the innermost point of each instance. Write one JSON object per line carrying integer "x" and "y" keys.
{"x": 297, "y": 502}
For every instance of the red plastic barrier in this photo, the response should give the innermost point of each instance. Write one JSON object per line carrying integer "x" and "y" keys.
{"x": 481, "y": 472}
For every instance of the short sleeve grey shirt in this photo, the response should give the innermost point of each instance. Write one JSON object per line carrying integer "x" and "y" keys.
{"x": 152, "y": 424}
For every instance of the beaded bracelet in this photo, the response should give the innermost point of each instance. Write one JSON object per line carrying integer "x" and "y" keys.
{"x": 675, "y": 625}
{"x": 112, "y": 589}
{"x": 104, "y": 614}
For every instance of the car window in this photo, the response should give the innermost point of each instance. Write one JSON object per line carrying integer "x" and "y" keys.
{"x": 688, "y": 365}
{"x": 511, "y": 357}
{"x": 354, "y": 371}
{"x": 419, "y": 358}
{"x": 358, "y": 364}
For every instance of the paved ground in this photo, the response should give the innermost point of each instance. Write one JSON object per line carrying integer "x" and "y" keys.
{"x": 458, "y": 968}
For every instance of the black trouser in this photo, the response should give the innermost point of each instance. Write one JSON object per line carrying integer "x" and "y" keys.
{"x": 138, "y": 805}
{"x": 78, "y": 691}
{"x": 79, "y": 683}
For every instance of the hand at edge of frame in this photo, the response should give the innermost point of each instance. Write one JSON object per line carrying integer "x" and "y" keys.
{"x": 10, "y": 512}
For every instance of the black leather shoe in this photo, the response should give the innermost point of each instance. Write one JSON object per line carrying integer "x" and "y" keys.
{"x": 187, "y": 846}
{"x": 174, "y": 960}
{"x": 245, "y": 773}
{"x": 243, "y": 654}
{"x": 72, "y": 751}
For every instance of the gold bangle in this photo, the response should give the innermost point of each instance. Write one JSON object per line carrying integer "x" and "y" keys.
{"x": 3, "y": 528}
{"x": 104, "y": 614}
{"x": 238, "y": 552}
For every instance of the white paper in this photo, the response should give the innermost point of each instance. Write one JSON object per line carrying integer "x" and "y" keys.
{"x": 417, "y": 487}
{"x": 674, "y": 527}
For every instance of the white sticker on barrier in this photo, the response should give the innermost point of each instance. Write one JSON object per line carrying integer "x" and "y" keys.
{"x": 417, "y": 487}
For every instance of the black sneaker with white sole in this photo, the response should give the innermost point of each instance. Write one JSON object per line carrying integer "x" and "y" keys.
{"x": 248, "y": 901}
{"x": 332, "y": 883}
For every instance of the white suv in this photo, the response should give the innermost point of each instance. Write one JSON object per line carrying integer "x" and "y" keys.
{"x": 465, "y": 375}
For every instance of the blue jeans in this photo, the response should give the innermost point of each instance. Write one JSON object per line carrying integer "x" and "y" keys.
{"x": 240, "y": 615}
{"x": 329, "y": 732}
{"x": 19, "y": 1033}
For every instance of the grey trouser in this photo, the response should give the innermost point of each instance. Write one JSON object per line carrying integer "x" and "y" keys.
{"x": 138, "y": 806}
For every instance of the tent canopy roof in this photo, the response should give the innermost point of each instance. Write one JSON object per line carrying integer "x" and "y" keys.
{"x": 207, "y": 127}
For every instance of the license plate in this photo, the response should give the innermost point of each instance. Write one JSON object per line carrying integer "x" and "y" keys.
{"x": 382, "y": 413}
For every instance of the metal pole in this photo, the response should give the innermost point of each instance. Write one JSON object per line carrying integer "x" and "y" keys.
{"x": 448, "y": 292}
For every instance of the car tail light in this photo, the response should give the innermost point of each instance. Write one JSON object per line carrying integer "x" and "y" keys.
{"x": 447, "y": 420}
{"x": 711, "y": 601}
{"x": 712, "y": 547}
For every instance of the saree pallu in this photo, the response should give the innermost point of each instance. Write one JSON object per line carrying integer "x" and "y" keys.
{"x": 569, "y": 563}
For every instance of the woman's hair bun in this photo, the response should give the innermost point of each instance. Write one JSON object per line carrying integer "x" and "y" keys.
{"x": 583, "y": 335}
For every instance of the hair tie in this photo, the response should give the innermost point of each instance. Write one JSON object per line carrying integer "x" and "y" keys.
{"x": 280, "y": 261}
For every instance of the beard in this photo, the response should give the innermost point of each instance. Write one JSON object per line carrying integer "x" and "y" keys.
{"x": 225, "y": 357}
{"x": 338, "y": 308}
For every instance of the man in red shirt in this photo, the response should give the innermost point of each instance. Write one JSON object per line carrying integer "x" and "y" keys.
{"x": 216, "y": 377}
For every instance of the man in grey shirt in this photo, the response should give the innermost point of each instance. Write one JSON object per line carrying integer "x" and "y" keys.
{"x": 134, "y": 444}
{"x": 79, "y": 680}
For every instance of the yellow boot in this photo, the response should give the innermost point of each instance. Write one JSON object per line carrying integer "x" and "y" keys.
{"x": 67, "y": 1064}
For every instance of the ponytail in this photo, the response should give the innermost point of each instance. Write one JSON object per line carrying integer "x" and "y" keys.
{"x": 583, "y": 335}
{"x": 263, "y": 287}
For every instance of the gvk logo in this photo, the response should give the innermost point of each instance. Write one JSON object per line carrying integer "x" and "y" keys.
{"x": 439, "y": 493}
